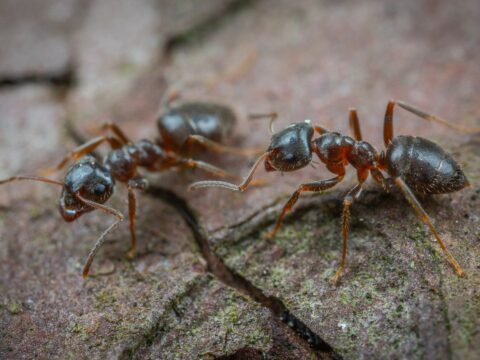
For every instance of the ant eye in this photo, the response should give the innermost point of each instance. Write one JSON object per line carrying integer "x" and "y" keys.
{"x": 99, "y": 189}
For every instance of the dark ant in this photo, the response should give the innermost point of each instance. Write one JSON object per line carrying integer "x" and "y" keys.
{"x": 88, "y": 183}
{"x": 414, "y": 164}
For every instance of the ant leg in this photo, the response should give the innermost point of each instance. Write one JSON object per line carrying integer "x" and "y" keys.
{"x": 89, "y": 146}
{"x": 140, "y": 184}
{"x": 272, "y": 116}
{"x": 426, "y": 220}
{"x": 101, "y": 239}
{"x": 168, "y": 97}
{"x": 355, "y": 124}
{"x": 117, "y": 131}
{"x": 430, "y": 117}
{"x": 386, "y": 183}
{"x": 352, "y": 195}
{"x": 217, "y": 147}
{"x": 388, "y": 123}
{"x": 320, "y": 130}
{"x": 211, "y": 169}
{"x": 313, "y": 186}
{"x": 132, "y": 205}
{"x": 241, "y": 187}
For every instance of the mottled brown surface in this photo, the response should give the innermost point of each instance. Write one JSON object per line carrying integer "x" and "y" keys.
{"x": 310, "y": 59}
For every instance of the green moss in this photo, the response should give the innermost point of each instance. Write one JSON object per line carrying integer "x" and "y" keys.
{"x": 79, "y": 329}
{"x": 229, "y": 316}
{"x": 14, "y": 307}
{"x": 257, "y": 337}
{"x": 36, "y": 212}
{"x": 104, "y": 298}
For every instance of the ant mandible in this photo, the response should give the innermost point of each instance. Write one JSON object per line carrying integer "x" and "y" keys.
{"x": 414, "y": 164}
{"x": 88, "y": 184}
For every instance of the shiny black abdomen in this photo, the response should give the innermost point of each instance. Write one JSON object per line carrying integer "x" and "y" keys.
{"x": 291, "y": 148}
{"x": 424, "y": 166}
{"x": 213, "y": 121}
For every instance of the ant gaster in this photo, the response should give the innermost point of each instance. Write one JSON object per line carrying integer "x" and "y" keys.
{"x": 414, "y": 164}
{"x": 88, "y": 183}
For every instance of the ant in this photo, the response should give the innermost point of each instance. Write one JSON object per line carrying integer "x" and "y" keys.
{"x": 414, "y": 164}
{"x": 88, "y": 183}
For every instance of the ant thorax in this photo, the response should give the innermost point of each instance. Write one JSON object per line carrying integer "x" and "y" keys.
{"x": 122, "y": 163}
{"x": 332, "y": 147}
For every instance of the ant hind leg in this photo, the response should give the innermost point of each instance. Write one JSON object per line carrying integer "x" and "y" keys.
{"x": 209, "y": 168}
{"x": 422, "y": 215}
{"x": 220, "y": 148}
{"x": 429, "y": 117}
{"x": 388, "y": 122}
{"x": 355, "y": 124}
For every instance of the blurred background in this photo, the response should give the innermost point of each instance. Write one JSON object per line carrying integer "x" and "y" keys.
{"x": 88, "y": 61}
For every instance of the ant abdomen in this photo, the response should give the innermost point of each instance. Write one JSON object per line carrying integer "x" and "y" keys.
{"x": 424, "y": 166}
{"x": 210, "y": 120}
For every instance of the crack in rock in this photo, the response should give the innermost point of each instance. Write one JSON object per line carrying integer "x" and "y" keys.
{"x": 207, "y": 26}
{"x": 231, "y": 278}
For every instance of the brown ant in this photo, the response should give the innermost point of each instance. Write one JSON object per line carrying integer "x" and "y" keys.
{"x": 414, "y": 164}
{"x": 88, "y": 183}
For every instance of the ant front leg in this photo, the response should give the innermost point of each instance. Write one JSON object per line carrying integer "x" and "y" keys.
{"x": 141, "y": 184}
{"x": 132, "y": 205}
{"x": 313, "y": 186}
{"x": 422, "y": 215}
{"x": 351, "y": 196}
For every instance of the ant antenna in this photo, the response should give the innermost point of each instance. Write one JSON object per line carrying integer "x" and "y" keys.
{"x": 241, "y": 187}
{"x": 101, "y": 239}
{"x": 272, "y": 116}
{"x": 31, "y": 178}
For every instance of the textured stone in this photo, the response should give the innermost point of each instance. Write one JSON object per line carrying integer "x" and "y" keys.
{"x": 308, "y": 59}
{"x": 35, "y": 37}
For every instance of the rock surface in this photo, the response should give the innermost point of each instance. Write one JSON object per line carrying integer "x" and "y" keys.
{"x": 312, "y": 59}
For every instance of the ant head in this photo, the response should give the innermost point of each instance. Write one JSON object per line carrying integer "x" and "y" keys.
{"x": 89, "y": 180}
{"x": 291, "y": 148}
